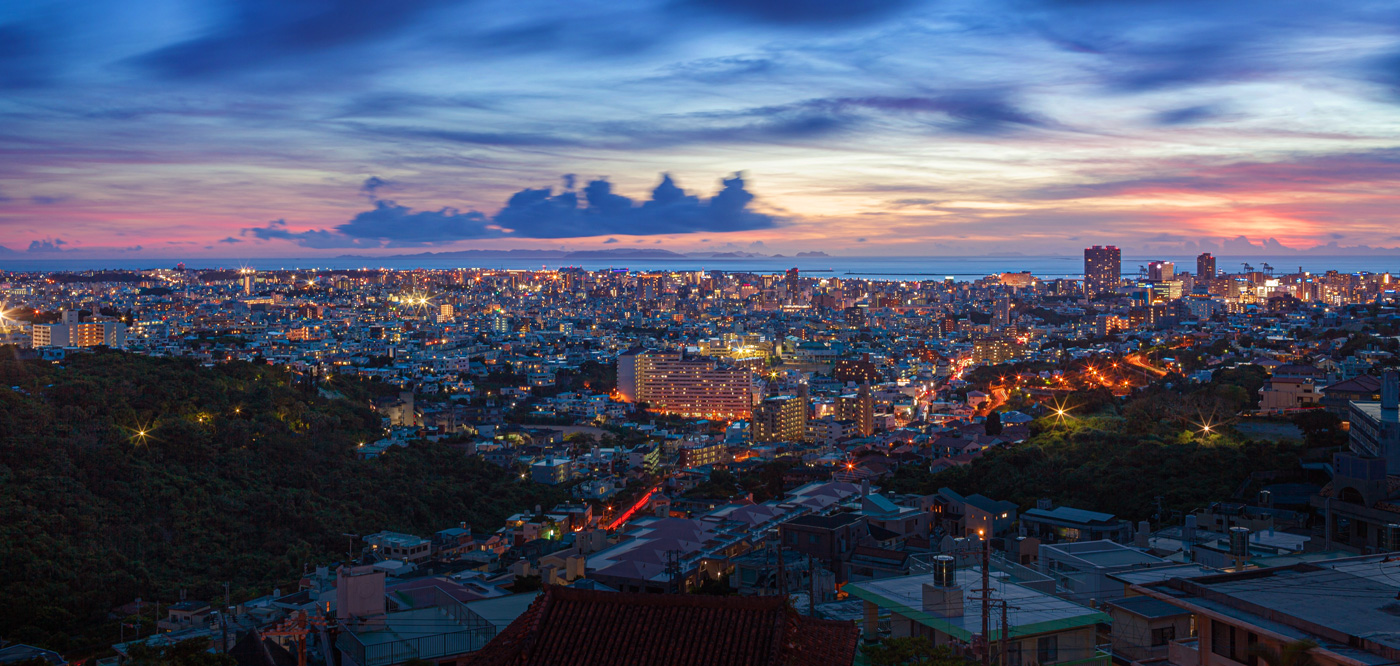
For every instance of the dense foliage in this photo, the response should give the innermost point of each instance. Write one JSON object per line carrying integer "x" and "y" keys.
{"x": 242, "y": 476}
{"x": 1119, "y": 459}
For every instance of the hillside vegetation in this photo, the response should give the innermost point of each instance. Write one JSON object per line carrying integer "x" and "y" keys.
{"x": 241, "y": 476}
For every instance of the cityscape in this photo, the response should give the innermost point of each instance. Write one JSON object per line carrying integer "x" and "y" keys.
{"x": 881, "y": 460}
{"x": 699, "y": 333}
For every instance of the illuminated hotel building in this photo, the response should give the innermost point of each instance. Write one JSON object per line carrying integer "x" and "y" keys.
{"x": 1102, "y": 268}
{"x": 671, "y": 384}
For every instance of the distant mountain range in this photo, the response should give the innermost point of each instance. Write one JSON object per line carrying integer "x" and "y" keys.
{"x": 618, "y": 253}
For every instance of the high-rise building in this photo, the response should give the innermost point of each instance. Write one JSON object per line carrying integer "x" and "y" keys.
{"x": 780, "y": 418}
{"x": 860, "y": 408}
{"x": 1001, "y": 311}
{"x": 1205, "y": 266}
{"x": 794, "y": 286}
{"x": 247, "y": 276}
{"x": 1102, "y": 267}
{"x": 1161, "y": 271}
{"x": 671, "y": 384}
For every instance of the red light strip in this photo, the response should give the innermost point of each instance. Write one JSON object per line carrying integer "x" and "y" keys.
{"x": 627, "y": 515}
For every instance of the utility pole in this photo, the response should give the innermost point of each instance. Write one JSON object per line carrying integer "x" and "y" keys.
{"x": 811, "y": 588}
{"x": 985, "y": 653}
{"x": 1004, "y": 634}
{"x": 986, "y": 599}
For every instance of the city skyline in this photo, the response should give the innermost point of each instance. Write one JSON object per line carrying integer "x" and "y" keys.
{"x": 261, "y": 130}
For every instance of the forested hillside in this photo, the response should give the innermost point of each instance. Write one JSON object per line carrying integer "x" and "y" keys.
{"x": 240, "y": 476}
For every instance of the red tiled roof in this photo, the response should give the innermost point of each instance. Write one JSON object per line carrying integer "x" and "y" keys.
{"x": 568, "y": 627}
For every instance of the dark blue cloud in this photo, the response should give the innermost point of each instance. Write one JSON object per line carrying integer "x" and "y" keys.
{"x": 397, "y": 224}
{"x": 373, "y": 184}
{"x": 320, "y": 239}
{"x": 824, "y": 13}
{"x": 966, "y": 112}
{"x": 1189, "y": 115}
{"x": 259, "y": 33}
{"x": 541, "y": 213}
{"x": 49, "y": 245}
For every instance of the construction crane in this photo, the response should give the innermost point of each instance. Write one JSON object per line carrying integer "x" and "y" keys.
{"x": 297, "y": 626}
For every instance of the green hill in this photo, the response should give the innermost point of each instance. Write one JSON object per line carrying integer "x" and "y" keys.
{"x": 242, "y": 476}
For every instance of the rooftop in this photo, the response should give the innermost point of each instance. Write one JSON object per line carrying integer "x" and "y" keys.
{"x": 1039, "y": 612}
{"x": 1348, "y": 606}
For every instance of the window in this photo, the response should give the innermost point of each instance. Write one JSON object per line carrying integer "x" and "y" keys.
{"x": 1163, "y": 635}
{"x": 812, "y": 538}
{"x": 1047, "y": 649}
{"x": 1222, "y": 639}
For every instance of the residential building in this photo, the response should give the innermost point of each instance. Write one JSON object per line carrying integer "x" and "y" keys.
{"x": 858, "y": 407}
{"x": 1065, "y": 524}
{"x": 1082, "y": 569}
{"x": 1103, "y": 267}
{"x": 552, "y": 471}
{"x": 1343, "y": 606}
{"x": 577, "y": 627}
{"x": 1375, "y": 426}
{"x": 1144, "y": 627}
{"x": 399, "y": 546}
{"x": 669, "y": 383}
{"x": 1044, "y": 629}
{"x": 780, "y": 418}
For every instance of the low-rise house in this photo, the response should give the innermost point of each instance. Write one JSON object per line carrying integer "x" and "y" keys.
{"x": 1044, "y": 629}
{"x": 1345, "y": 607}
{"x": 1066, "y": 524}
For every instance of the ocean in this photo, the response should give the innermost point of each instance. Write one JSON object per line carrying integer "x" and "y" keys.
{"x": 885, "y": 268}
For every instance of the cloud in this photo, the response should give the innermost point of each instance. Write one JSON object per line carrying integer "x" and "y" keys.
{"x": 816, "y": 13}
{"x": 397, "y": 224}
{"x": 263, "y": 33}
{"x": 48, "y": 200}
{"x": 47, "y": 246}
{"x": 319, "y": 239}
{"x": 1189, "y": 115}
{"x": 539, "y": 213}
{"x": 1302, "y": 173}
{"x": 373, "y": 184}
{"x": 231, "y": 240}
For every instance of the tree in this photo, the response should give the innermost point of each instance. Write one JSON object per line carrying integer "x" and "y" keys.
{"x": 993, "y": 424}
{"x": 1293, "y": 653}
{"x": 912, "y": 651}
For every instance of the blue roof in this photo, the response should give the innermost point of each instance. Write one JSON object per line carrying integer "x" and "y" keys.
{"x": 1070, "y": 515}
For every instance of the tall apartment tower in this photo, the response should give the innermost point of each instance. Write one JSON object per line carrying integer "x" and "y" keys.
{"x": 1102, "y": 267}
{"x": 858, "y": 407}
{"x": 1205, "y": 266}
{"x": 1161, "y": 271}
{"x": 780, "y": 418}
{"x": 1001, "y": 311}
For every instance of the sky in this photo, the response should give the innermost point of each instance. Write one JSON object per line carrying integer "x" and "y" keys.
{"x": 266, "y": 128}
